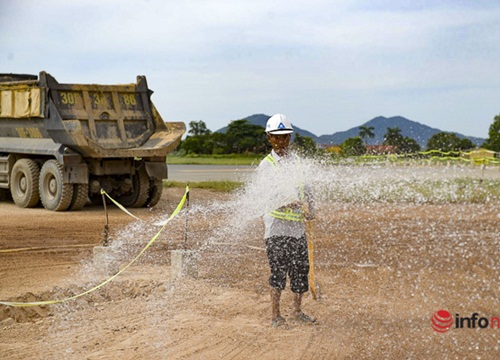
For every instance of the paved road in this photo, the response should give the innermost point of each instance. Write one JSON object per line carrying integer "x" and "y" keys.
{"x": 197, "y": 173}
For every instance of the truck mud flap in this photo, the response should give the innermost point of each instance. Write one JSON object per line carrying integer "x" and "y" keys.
{"x": 76, "y": 174}
{"x": 157, "y": 170}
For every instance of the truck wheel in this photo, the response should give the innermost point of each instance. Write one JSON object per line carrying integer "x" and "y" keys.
{"x": 155, "y": 191}
{"x": 80, "y": 196}
{"x": 24, "y": 183}
{"x": 140, "y": 192}
{"x": 54, "y": 193}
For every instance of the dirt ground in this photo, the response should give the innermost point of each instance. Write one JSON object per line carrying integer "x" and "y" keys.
{"x": 383, "y": 271}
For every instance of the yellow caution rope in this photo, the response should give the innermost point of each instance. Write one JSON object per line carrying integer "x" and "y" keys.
{"x": 50, "y": 302}
{"x": 120, "y": 205}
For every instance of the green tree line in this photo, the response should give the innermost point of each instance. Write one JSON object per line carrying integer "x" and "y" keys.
{"x": 442, "y": 141}
{"x": 242, "y": 137}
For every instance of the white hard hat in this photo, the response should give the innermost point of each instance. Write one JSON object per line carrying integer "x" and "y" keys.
{"x": 278, "y": 124}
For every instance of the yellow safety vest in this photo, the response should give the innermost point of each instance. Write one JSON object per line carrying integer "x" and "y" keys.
{"x": 289, "y": 214}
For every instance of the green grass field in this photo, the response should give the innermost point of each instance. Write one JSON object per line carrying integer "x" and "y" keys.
{"x": 225, "y": 186}
{"x": 214, "y": 159}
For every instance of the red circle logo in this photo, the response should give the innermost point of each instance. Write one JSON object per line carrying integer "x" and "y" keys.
{"x": 441, "y": 321}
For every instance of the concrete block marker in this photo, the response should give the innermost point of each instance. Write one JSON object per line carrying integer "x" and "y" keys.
{"x": 184, "y": 263}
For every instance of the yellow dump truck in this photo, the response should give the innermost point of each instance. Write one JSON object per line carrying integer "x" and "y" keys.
{"x": 61, "y": 143}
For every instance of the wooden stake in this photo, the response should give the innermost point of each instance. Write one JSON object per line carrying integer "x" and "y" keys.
{"x": 310, "y": 249}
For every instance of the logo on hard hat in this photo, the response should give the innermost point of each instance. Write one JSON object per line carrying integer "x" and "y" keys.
{"x": 279, "y": 124}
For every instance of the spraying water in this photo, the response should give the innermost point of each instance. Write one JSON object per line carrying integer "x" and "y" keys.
{"x": 333, "y": 186}
{"x": 395, "y": 244}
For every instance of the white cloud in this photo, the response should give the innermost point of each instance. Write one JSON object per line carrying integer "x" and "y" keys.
{"x": 210, "y": 59}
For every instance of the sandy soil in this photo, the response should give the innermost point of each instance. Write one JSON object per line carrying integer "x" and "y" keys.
{"x": 383, "y": 271}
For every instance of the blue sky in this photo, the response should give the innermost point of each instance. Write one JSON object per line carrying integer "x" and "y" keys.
{"x": 327, "y": 65}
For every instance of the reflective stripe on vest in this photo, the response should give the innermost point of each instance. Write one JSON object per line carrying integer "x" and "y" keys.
{"x": 289, "y": 214}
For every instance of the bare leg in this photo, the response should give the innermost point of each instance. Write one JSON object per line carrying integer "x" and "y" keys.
{"x": 275, "y": 302}
{"x": 297, "y": 313}
{"x": 277, "y": 319}
{"x": 296, "y": 303}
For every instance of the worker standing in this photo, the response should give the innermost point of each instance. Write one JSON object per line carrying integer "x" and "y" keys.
{"x": 286, "y": 243}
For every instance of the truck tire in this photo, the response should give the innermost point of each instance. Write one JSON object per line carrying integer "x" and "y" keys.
{"x": 140, "y": 192}
{"x": 155, "y": 191}
{"x": 80, "y": 196}
{"x": 54, "y": 193}
{"x": 24, "y": 183}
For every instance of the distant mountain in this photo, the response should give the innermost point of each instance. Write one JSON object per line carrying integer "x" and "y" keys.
{"x": 420, "y": 132}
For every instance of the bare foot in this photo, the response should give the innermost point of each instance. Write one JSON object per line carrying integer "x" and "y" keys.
{"x": 303, "y": 318}
{"x": 279, "y": 323}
